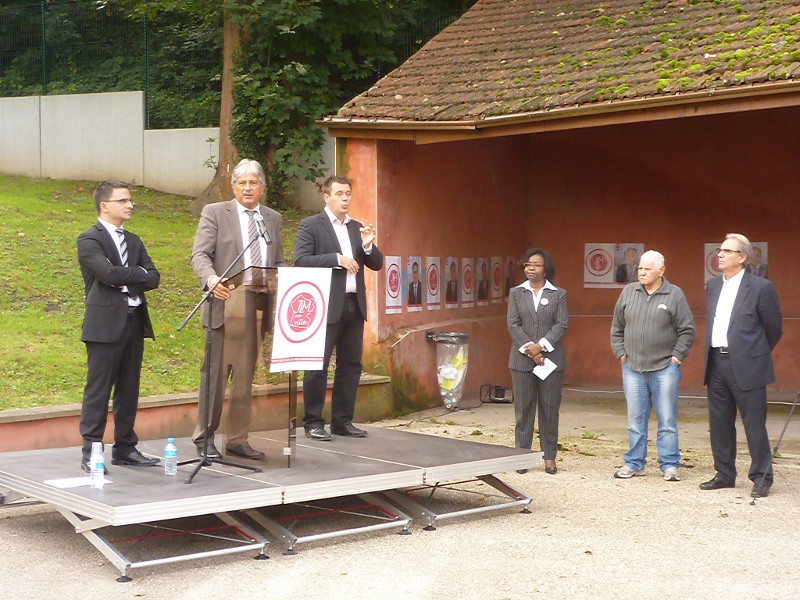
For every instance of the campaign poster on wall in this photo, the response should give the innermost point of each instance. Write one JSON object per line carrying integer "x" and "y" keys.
{"x": 496, "y": 271}
{"x": 610, "y": 265}
{"x": 452, "y": 287}
{"x": 512, "y": 277}
{"x": 758, "y": 264}
{"x": 414, "y": 294}
{"x": 433, "y": 280}
{"x": 394, "y": 300}
{"x": 467, "y": 282}
{"x": 483, "y": 283}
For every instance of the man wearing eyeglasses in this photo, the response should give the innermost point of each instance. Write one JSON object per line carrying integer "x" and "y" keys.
{"x": 116, "y": 271}
{"x": 744, "y": 324}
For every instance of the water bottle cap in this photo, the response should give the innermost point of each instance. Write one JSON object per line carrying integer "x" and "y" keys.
{"x": 170, "y": 440}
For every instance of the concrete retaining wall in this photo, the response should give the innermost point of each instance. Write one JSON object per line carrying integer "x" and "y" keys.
{"x": 102, "y": 136}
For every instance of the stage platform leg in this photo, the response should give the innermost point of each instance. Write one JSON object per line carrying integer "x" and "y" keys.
{"x": 389, "y": 517}
{"x": 409, "y": 499}
{"x": 251, "y": 540}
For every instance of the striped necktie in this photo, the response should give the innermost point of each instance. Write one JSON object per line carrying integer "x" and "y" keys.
{"x": 123, "y": 246}
{"x": 256, "y": 259}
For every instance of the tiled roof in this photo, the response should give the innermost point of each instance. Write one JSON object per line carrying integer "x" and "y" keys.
{"x": 517, "y": 57}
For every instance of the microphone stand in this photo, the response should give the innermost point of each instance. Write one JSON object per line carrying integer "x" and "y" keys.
{"x": 777, "y": 446}
{"x": 204, "y": 460}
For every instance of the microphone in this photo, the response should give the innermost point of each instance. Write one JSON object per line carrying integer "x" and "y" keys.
{"x": 261, "y": 227}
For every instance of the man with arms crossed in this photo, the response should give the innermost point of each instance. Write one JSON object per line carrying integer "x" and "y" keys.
{"x": 116, "y": 272}
{"x": 651, "y": 334}
{"x": 744, "y": 326}
{"x": 332, "y": 239}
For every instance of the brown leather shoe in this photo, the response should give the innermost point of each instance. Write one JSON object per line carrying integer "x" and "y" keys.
{"x": 245, "y": 450}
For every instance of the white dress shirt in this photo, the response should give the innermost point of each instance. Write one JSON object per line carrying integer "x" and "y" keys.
{"x": 340, "y": 229}
{"x": 722, "y": 316}
{"x": 112, "y": 230}
{"x": 526, "y": 285}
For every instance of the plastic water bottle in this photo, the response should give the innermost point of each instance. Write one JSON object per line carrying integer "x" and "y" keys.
{"x": 98, "y": 466}
{"x": 171, "y": 458}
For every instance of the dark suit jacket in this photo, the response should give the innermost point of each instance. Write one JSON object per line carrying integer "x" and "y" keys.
{"x": 415, "y": 293}
{"x": 527, "y": 325}
{"x": 622, "y": 274}
{"x": 316, "y": 245}
{"x": 103, "y": 275}
{"x": 451, "y": 295}
{"x": 754, "y": 329}
{"x": 218, "y": 242}
{"x": 483, "y": 289}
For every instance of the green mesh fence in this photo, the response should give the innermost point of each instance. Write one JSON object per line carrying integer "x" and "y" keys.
{"x": 75, "y": 47}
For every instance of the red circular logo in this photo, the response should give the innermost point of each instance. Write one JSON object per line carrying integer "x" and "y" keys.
{"x": 393, "y": 278}
{"x": 496, "y": 276}
{"x": 301, "y": 311}
{"x": 598, "y": 262}
{"x": 467, "y": 279}
{"x": 433, "y": 279}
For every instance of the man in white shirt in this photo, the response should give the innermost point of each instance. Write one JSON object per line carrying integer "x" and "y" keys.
{"x": 744, "y": 325}
{"x": 332, "y": 239}
{"x": 225, "y": 229}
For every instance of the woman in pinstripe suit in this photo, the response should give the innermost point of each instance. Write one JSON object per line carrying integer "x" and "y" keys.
{"x": 537, "y": 319}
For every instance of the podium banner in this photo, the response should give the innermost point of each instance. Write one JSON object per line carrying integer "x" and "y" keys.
{"x": 301, "y": 316}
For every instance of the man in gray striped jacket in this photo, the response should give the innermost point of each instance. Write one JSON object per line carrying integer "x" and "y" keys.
{"x": 652, "y": 331}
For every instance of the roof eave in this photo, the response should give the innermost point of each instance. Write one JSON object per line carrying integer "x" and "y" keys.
{"x": 704, "y": 102}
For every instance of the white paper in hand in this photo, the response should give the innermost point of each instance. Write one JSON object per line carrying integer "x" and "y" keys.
{"x": 543, "y": 370}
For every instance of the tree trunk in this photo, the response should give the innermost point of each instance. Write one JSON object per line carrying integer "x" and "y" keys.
{"x": 220, "y": 187}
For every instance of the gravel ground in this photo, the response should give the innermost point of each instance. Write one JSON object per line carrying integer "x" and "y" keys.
{"x": 588, "y": 535}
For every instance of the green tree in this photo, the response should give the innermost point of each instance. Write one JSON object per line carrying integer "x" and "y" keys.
{"x": 287, "y": 64}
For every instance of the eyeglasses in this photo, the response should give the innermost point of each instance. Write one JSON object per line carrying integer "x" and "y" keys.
{"x": 123, "y": 200}
{"x": 533, "y": 265}
{"x": 728, "y": 251}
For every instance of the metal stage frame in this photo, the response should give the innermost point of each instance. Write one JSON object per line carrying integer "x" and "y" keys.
{"x": 386, "y": 479}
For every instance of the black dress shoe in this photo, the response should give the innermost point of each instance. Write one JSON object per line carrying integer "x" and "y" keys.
{"x": 522, "y": 471}
{"x": 134, "y": 458}
{"x": 245, "y": 450}
{"x": 761, "y": 490}
{"x": 551, "y": 470}
{"x": 348, "y": 429}
{"x": 717, "y": 483}
{"x": 88, "y": 468}
{"x": 212, "y": 451}
{"x": 319, "y": 434}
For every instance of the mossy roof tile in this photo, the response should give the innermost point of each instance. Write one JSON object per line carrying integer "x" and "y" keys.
{"x": 506, "y": 57}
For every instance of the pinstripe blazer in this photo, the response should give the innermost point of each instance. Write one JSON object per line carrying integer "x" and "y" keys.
{"x": 525, "y": 324}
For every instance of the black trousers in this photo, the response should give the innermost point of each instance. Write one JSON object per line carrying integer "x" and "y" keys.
{"x": 117, "y": 365}
{"x": 724, "y": 398}
{"x": 347, "y": 336}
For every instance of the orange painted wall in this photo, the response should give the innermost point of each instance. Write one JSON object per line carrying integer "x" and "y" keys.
{"x": 672, "y": 185}
{"x": 464, "y": 199}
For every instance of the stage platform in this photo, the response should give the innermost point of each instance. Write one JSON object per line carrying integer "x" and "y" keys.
{"x": 387, "y": 471}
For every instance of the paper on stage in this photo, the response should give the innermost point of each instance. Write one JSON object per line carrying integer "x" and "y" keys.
{"x": 67, "y": 483}
{"x": 544, "y": 369}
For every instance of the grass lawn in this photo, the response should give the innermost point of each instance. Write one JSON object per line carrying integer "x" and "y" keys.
{"x": 42, "y": 360}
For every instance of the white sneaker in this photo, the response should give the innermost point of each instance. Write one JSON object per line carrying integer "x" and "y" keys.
{"x": 671, "y": 474}
{"x": 626, "y": 473}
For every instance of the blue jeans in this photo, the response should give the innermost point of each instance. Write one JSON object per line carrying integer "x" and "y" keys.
{"x": 659, "y": 390}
